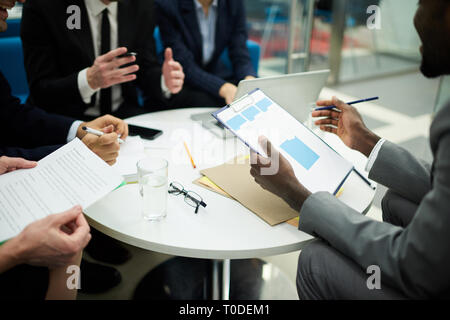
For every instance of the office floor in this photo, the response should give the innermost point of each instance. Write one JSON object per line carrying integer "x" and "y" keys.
{"x": 402, "y": 115}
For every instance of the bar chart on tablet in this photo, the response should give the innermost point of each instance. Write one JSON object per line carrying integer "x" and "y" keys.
{"x": 315, "y": 164}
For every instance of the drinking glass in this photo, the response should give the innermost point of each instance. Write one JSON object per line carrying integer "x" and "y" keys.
{"x": 153, "y": 188}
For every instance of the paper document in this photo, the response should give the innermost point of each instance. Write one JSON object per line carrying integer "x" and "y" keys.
{"x": 317, "y": 166}
{"x": 235, "y": 179}
{"x": 130, "y": 153}
{"x": 72, "y": 175}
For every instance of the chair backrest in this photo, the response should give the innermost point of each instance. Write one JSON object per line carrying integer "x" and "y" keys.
{"x": 12, "y": 66}
{"x": 13, "y": 29}
{"x": 253, "y": 48}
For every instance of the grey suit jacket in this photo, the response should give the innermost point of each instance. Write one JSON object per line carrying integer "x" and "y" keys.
{"x": 416, "y": 259}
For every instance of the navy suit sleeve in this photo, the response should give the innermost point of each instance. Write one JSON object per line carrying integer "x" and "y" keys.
{"x": 35, "y": 154}
{"x": 47, "y": 84}
{"x": 28, "y": 127}
{"x": 238, "y": 51}
{"x": 171, "y": 35}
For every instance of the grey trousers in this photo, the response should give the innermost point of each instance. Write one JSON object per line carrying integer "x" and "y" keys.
{"x": 324, "y": 273}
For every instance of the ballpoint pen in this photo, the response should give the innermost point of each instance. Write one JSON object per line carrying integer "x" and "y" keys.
{"x": 99, "y": 133}
{"x": 349, "y": 103}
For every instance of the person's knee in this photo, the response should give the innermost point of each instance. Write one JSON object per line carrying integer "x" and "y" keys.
{"x": 386, "y": 206}
{"x": 307, "y": 270}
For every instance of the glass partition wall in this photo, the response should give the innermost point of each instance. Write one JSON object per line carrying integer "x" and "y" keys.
{"x": 356, "y": 39}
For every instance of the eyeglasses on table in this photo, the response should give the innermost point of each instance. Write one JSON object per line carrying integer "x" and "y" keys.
{"x": 190, "y": 197}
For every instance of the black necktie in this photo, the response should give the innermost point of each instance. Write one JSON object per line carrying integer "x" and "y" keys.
{"x": 105, "y": 94}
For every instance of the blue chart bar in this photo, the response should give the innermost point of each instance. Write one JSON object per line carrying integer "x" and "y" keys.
{"x": 250, "y": 113}
{"x": 236, "y": 122}
{"x": 264, "y": 104}
{"x": 300, "y": 152}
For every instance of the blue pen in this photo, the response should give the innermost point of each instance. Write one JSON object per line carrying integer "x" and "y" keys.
{"x": 350, "y": 103}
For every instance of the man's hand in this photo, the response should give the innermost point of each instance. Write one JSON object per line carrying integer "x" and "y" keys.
{"x": 10, "y": 164}
{"x": 120, "y": 126}
{"x": 348, "y": 124}
{"x": 106, "y": 70}
{"x": 106, "y": 147}
{"x": 4, "y": 5}
{"x": 53, "y": 241}
{"x": 283, "y": 182}
{"x": 172, "y": 72}
{"x": 228, "y": 92}
{"x": 9, "y": 4}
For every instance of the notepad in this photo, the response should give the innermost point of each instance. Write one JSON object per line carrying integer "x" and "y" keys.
{"x": 317, "y": 166}
{"x": 72, "y": 175}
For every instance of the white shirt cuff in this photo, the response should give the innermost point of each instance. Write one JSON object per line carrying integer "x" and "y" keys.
{"x": 85, "y": 89}
{"x": 73, "y": 130}
{"x": 166, "y": 92}
{"x": 374, "y": 155}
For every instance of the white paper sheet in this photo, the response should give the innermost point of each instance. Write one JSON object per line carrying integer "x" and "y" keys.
{"x": 72, "y": 175}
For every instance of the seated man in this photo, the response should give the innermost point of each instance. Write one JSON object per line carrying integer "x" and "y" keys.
{"x": 199, "y": 31}
{"x": 411, "y": 248}
{"x": 82, "y": 72}
{"x": 31, "y": 133}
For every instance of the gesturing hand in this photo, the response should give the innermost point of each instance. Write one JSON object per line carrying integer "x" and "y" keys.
{"x": 347, "y": 124}
{"x": 275, "y": 174}
{"x": 10, "y": 164}
{"x": 172, "y": 72}
{"x": 106, "y": 71}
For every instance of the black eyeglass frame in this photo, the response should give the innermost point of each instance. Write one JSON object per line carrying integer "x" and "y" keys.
{"x": 199, "y": 202}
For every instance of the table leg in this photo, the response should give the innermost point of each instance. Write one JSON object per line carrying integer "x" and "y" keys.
{"x": 226, "y": 276}
{"x": 215, "y": 280}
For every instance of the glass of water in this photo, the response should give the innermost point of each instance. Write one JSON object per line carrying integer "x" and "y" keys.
{"x": 153, "y": 187}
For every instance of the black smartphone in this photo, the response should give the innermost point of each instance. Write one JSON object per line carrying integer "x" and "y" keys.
{"x": 145, "y": 133}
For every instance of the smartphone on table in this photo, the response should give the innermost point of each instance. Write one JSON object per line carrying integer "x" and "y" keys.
{"x": 144, "y": 133}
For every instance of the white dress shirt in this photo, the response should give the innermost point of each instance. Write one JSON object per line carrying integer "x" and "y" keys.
{"x": 95, "y": 10}
{"x": 374, "y": 155}
{"x": 207, "y": 24}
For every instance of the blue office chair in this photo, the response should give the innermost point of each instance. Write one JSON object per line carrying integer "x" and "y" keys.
{"x": 12, "y": 66}
{"x": 13, "y": 29}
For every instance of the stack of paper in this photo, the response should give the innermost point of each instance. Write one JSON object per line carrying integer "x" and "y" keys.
{"x": 235, "y": 180}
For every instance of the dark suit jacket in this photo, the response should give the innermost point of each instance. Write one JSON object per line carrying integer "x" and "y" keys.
{"x": 26, "y": 131}
{"x": 415, "y": 259}
{"x": 180, "y": 30}
{"x": 54, "y": 55}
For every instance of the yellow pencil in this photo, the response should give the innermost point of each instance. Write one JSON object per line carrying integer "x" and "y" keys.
{"x": 189, "y": 154}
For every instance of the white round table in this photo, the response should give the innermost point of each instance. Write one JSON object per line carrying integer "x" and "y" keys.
{"x": 224, "y": 229}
